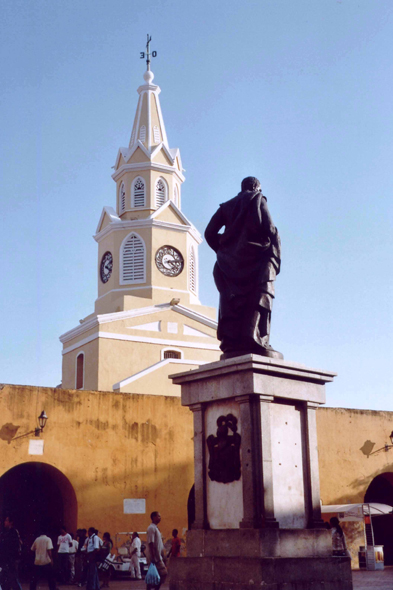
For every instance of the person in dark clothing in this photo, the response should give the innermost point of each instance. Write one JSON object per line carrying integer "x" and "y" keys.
{"x": 248, "y": 261}
{"x": 10, "y": 550}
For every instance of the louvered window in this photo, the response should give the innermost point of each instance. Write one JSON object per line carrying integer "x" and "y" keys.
{"x": 139, "y": 192}
{"x": 160, "y": 192}
{"x": 156, "y": 134}
{"x": 193, "y": 283}
{"x": 133, "y": 260}
{"x": 122, "y": 198}
{"x": 172, "y": 354}
{"x": 80, "y": 360}
{"x": 142, "y": 133}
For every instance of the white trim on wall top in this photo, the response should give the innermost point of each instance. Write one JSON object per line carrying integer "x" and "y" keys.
{"x": 143, "y": 339}
{"x": 152, "y": 368}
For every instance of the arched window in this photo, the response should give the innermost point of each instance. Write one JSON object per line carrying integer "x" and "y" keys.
{"x": 138, "y": 192}
{"x": 156, "y": 134}
{"x": 142, "y": 133}
{"x": 133, "y": 259}
{"x": 192, "y": 271}
{"x": 122, "y": 198}
{"x": 161, "y": 192}
{"x": 171, "y": 354}
{"x": 80, "y": 371}
{"x": 176, "y": 196}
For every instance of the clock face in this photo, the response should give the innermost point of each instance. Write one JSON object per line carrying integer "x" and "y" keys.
{"x": 169, "y": 261}
{"x": 106, "y": 267}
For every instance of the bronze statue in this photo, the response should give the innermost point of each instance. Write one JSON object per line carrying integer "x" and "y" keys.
{"x": 248, "y": 260}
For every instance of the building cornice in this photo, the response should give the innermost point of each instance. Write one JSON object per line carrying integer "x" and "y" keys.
{"x": 124, "y": 168}
{"x": 147, "y": 223}
{"x": 106, "y": 318}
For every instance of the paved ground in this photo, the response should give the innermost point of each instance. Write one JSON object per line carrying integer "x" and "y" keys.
{"x": 362, "y": 580}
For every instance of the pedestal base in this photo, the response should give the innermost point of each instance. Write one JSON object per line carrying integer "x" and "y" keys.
{"x": 275, "y": 573}
{"x": 272, "y": 559}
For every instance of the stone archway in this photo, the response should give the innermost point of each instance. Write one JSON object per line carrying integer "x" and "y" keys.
{"x": 38, "y": 494}
{"x": 381, "y": 490}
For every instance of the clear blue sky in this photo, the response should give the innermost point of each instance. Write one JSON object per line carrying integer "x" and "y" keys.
{"x": 298, "y": 93}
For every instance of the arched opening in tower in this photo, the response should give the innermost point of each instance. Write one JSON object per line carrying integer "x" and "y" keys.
{"x": 381, "y": 490}
{"x": 37, "y": 495}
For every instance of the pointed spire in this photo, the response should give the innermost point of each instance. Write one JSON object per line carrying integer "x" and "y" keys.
{"x": 148, "y": 123}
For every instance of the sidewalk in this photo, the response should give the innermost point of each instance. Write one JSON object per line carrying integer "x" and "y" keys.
{"x": 362, "y": 580}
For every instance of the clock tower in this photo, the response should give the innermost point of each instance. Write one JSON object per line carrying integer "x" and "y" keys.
{"x": 147, "y": 315}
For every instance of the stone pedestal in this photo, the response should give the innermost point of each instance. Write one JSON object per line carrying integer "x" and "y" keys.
{"x": 263, "y": 529}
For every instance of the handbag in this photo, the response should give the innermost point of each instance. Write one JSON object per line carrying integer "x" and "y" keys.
{"x": 152, "y": 577}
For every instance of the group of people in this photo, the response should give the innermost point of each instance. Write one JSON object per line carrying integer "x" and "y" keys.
{"x": 78, "y": 558}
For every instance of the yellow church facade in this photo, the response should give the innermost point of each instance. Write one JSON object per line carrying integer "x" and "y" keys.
{"x": 147, "y": 321}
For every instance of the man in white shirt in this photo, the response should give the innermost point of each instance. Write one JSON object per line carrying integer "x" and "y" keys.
{"x": 43, "y": 562}
{"x": 135, "y": 551}
{"x": 156, "y": 549}
{"x": 63, "y": 542}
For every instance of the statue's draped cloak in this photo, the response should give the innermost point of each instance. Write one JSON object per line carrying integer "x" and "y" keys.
{"x": 248, "y": 260}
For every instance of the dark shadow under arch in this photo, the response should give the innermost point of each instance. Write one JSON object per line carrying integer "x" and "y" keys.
{"x": 381, "y": 490}
{"x": 37, "y": 495}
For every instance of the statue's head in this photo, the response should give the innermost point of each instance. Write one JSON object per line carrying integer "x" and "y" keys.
{"x": 251, "y": 184}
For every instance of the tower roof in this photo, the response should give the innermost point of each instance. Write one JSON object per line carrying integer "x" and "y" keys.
{"x": 148, "y": 131}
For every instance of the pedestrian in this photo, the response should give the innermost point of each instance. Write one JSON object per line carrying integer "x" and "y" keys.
{"x": 156, "y": 549}
{"x": 338, "y": 538}
{"x": 64, "y": 542}
{"x": 174, "y": 551}
{"x": 106, "y": 549}
{"x": 72, "y": 557}
{"x": 93, "y": 549}
{"x": 43, "y": 561}
{"x": 135, "y": 551}
{"x": 81, "y": 558}
{"x": 10, "y": 552}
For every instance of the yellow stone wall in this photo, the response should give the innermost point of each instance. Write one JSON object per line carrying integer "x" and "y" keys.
{"x": 113, "y": 446}
{"x": 110, "y": 447}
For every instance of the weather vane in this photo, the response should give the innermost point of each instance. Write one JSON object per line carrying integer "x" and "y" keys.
{"x": 148, "y": 54}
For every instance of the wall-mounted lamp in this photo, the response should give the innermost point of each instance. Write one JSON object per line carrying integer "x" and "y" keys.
{"x": 387, "y": 447}
{"x": 42, "y": 418}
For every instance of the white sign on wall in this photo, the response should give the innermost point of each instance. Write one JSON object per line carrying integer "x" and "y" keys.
{"x": 134, "y": 506}
{"x": 36, "y": 446}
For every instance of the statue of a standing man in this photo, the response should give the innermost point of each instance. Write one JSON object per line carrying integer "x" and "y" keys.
{"x": 248, "y": 260}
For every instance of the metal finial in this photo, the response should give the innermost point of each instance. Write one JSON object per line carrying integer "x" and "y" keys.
{"x": 148, "y": 54}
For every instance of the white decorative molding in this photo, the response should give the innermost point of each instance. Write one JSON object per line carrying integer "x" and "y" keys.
{"x": 134, "y": 313}
{"x": 152, "y": 368}
{"x": 126, "y": 288}
{"x": 149, "y": 327}
{"x": 189, "y": 331}
{"x": 144, "y": 339}
{"x": 113, "y": 217}
{"x": 148, "y": 223}
{"x": 172, "y": 327}
{"x": 157, "y": 166}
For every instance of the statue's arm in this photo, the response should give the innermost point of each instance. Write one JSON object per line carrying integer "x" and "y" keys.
{"x": 212, "y": 236}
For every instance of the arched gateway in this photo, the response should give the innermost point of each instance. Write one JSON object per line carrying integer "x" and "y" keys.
{"x": 381, "y": 490}
{"x": 38, "y": 494}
